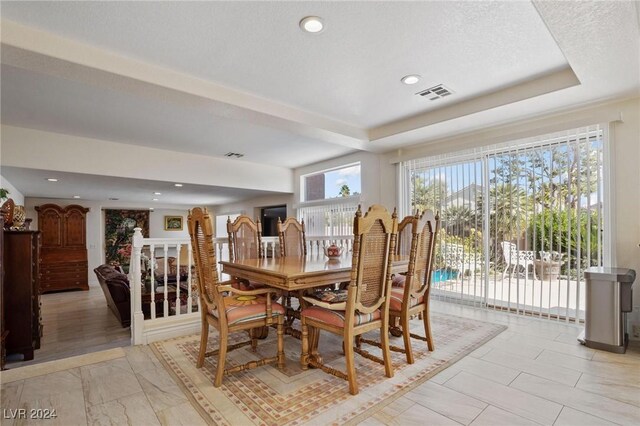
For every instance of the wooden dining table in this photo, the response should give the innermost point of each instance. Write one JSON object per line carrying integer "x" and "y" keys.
{"x": 297, "y": 273}
{"x": 293, "y": 273}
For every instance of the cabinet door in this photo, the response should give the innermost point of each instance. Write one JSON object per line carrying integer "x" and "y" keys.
{"x": 74, "y": 228}
{"x": 50, "y": 223}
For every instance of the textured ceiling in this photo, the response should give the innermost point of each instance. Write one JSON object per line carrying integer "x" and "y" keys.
{"x": 351, "y": 71}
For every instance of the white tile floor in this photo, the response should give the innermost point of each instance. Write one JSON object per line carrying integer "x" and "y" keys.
{"x": 533, "y": 373}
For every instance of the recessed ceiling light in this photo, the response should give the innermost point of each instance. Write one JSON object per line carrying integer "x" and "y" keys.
{"x": 150, "y": 208}
{"x": 157, "y": 193}
{"x": 76, "y": 196}
{"x": 312, "y": 24}
{"x": 52, "y": 179}
{"x": 410, "y": 79}
{"x": 177, "y": 184}
{"x": 155, "y": 199}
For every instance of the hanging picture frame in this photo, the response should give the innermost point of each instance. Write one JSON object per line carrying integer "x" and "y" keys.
{"x": 173, "y": 223}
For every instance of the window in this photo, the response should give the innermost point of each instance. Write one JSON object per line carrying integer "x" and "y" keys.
{"x": 520, "y": 222}
{"x": 330, "y": 199}
{"x": 335, "y": 183}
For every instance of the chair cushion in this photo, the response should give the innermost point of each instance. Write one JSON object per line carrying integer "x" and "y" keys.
{"x": 248, "y": 308}
{"x": 242, "y": 284}
{"x": 398, "y": 280}
{"x": 336, "y": 318}
{"x": 396, "y": 299}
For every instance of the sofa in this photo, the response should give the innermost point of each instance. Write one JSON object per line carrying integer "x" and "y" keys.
{"x": 172, "y": 273}
{"x": 115, "y": 286}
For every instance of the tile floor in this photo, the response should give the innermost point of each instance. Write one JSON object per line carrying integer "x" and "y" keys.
{"x": 533, "y": 373}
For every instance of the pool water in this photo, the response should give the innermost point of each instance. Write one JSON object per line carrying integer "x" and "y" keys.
{"x": 440, "y": 275}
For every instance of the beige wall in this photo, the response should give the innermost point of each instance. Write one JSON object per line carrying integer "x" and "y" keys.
{"x": 95, "y": 224}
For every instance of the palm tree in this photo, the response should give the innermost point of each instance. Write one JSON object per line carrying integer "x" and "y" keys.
{"x": 344, "y": 191}
{"x": 429, "y": 194}
{"x": 457, "y": 220}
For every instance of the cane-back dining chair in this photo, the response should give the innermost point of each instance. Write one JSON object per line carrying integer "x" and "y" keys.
{"x": 293, "y": 242}
{"x": 245, "y": 242}
{"x": 245, "y": 238}
{"x": 367, "y": 304}
{"x": 227, "y": 308}
{"x": 418, "y": 235}
{"x": 291, "y": 236}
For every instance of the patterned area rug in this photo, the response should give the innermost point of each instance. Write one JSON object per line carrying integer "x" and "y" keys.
{"x": 267, "y": 396}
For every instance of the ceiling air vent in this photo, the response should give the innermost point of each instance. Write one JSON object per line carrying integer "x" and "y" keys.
{"x": 233, "y": 155}
{"x": 435, "y": 92}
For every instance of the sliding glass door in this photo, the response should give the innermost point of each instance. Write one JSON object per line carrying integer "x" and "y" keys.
{"x": 519, "y": 222}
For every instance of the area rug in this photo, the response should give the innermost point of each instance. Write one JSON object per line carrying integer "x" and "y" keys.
{"x": 268, "y": 396}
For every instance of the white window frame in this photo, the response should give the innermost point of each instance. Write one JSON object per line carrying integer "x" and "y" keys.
{"x": 303, "y": 187}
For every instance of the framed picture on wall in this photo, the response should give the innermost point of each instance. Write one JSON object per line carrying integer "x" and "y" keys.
{"x": 173, "y": 223}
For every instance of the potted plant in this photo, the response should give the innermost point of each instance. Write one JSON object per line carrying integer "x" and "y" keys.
{"x": 548, "y": 267}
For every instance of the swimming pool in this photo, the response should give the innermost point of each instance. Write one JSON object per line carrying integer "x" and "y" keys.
{"x": 440, "y": 275}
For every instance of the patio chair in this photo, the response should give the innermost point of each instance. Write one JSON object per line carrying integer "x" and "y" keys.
{"x": 458, "y": 258}
{"x": 227, "y": 308}
{"x": 367, "y": 304}
{"x": 515, "y": 258}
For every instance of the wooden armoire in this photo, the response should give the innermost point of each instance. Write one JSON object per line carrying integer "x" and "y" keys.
{"x": 64, "y": 247}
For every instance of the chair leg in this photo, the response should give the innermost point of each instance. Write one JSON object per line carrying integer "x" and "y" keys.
{"x": 281, "y": 361}
{"x": 204, "y": 336}
{"x": 350, "y": 361}
{"x": 384, "y": 340}
{"x": 426, "y": 318}
{"x": 222, "y": 356}
{"x": 406, "y": 336}
{"x": 304, "y": 357}
{"x": 254, "y": 340}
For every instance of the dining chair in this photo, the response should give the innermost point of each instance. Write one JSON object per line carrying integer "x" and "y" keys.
{"x": 245, "y": 238}
{"x": 293, "y": 242}
{"x": 245, "y": 242}
{"x": 227, "y": 308}
{"x": 410, "y": 291}
{"x": 292, "y": 238}
{"x": 367, "y": 304}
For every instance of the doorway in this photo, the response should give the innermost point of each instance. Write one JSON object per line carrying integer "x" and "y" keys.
{"x": 269, "y": 217}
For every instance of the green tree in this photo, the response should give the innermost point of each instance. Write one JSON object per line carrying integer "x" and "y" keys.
{"x": 428, "y": 194}
{"x": 344, "y": 191}
{"x": 458, "y": 220}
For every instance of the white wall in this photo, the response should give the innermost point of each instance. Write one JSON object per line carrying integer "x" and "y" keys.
{"x": 14, "y": 194}
{"x": 95, "y": 224}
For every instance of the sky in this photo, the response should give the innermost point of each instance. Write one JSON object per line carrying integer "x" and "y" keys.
{"x": 334, "y": 180}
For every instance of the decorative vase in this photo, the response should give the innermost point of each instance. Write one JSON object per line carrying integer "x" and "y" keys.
{"x": 19, "y": 216}
{"x": 7, "y": 212}
{"x": 333, "y": 251}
